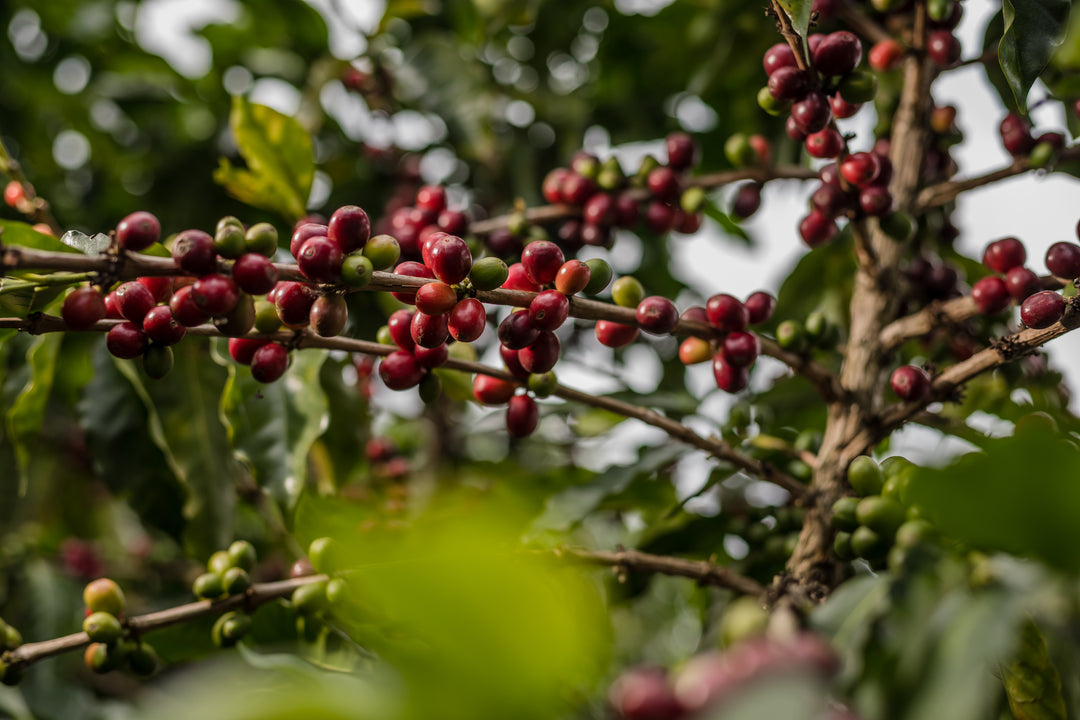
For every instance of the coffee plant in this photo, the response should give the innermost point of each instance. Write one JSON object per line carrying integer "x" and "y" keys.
{"x": 354, "y": 363}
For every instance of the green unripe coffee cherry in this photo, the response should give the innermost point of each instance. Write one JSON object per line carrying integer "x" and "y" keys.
{"x": 866, "y": 543}
{"x": 648, "y": 164}
{"x": 321, "y": 552}
{"x": 102, "y": 627}
{"x": 611, "y": 175}
{"x": 143, "y": 660}
{"x": 771, "y": 105}
{"x": 242, "y": 554}
{"x": 744, "y": 618}
{"x": 518, "y": 224}
{"x": 739, "y": 151}
{"x": 336, "y": 592}
{"x": 262, "y": 238}
{"x": 600, "y": 274}
{"x": 230, "y": 628}
{"x": 819, "y": 330}
{"x": 865, "y": 476}
{"x": 266, "y": 317}
{"x": 11, "y": 637}
{"x": 542, "y": 384}
{"x": 208, "y": 586}
{"x": 104, "y": 595}
{"x": 898, "y": 225}
{"x": 229, "y": 242}
{"x": 228, "y": 221}
{"x": 881, "y": 514}
{"x": 101, "y": 657}
{"x": 157, "y": 361}
{"x": 939, "y": 10}
{"x": 858, "y": 86}
{"x": 219, "y": 562}
{"x": 844, "y": 514}
{"x": 383, "y": 336}
{"x": 356, "y": 270}
{"x": 914, "y": 532}
{"x": 693, "y": 199}
{"x": 800, "y": 470}
{"x": 310, "y": 598}
{"x": 627, "y": 291}
{"x": 430, "y": 388}
{"x": 236, "y": 581}
{"x": 842, "y": 546}
{"x": 383, "y": 251}
{"x": 791, "y": 335}
{"x": 488, "y": 273}
{"x": 1041, "y": 155}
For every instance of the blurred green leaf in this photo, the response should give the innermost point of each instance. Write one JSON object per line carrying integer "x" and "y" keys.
{"x": 26, "y": 416}
{"x": 1032, "y": 30}
{"x": 800, "y": 696}
{"x": 1031, "y": 681}
{"x": 279, "y": 158}
{"x": 24, "y": 234}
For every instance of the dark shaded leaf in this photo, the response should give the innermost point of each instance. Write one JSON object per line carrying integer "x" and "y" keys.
{"x": 1032, "y": 29}
{"x": 26, "y": 415}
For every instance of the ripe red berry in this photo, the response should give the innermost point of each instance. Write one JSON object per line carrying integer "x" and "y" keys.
{"x": 134, "y": 301}
{"x": 269, "y": 362}
{"x": 491, "y": 390}
{"x": 681, "y": 150}
{"x": 1042, "y": 309}
{"x": 431, "y": 197}
{"x": 410, "y": 268}
{"x": 788, "y": 83}
{"x": 663, "y": 183}
{"x": 599, "y": 210}
{"x": 573, "y": 277}
{"x": 467, "y": 320}
{"x": 350, "y": 228}
{"x": 817, "y": 229}
{"x": 242, "y": 350}
{"x": 541, "y": 354}
{"x": 453, "y": 221}
{"x": 825, "y": 143}
{"x": 830, "y": 200}
{"x": 644, "y": 694}
{"x": 161, "y": 327}
{"x": 293, "y": 301}
{"x": 861, "y": 168}
{"x": 126, "y": 340}
{"x": 82, "y": 308}
{"x": 517, "y": 279}
{"x": 841, "y": 108}
{"x": 1016, "y": 135}
{"x": 429, "y": 330}
{"x": 727, "y": 312}
{"x": 329, "y": 315}
{"x": 576, "y": 189}
{"x": 1063, "y": 260}
{"x": 193, "y": 251}
{"x": 740, "y": 348}
{"x": 14, "y": 193}
{"x": 549, "y": 310}
{"x": 522, "y": 416}
{"x": 910, "y": 383}
{"x": 517, "y": 330}
{"x": 990, "y": 294}
{"x": 160, "y": 287}
{"x": 1005, "y": 254}
{"x": 943, "y": 48}
{"x": 875, "y": 200}
{"x": 759, "y": 307}
{"x": 513, "y": 365}
{"x": 794, "y": 130}
{"x": 778, "y": 56}
{"x": 885, "y": 55}
{"x": 660, "y": 217}
{"x": 838, "y": 53}
{"x": 400, "y": 326}
{"x": 1021, "y": 282}
{"x": 320, "y": 259}
{"x": 303, "y": 233}
{"x": 657, "y": 315}
{"x": 729, "y": 378}
{"x": 449, "y": 258}
{"x": 615, "y": 335}
{"x": 184, "y": 309}
{"x": 215, "y": 294}
{"x": 436, "y": 298}
{"x": 541, "y": 261}
{"x": 431, "y": 358}
{"x": 552, "y": 186}
{"x": 812, "y": 113}
{"x": 747, "y": 200}
{"x": 254, "y": 274}
{"x": 138, "y": 231}
{"x": 399, "y": 370}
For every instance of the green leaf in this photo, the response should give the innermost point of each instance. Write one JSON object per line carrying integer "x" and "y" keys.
{"x": 27, "y": 414}
{"x": 1018, "y": 496}
{"x": 1032, "y": 683}
{"x": 279, "y": 157}
{"x": 795, "y": 696}
{"x": 24, "y": 234}
{"x": 273, "y": 426}
{"x": 186, "y": 425}
{"x": 1033, "y": 29}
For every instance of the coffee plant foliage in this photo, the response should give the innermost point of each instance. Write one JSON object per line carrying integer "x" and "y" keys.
{"x": 733, "y": 536}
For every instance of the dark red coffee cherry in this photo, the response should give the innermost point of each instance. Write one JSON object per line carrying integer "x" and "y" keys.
{"x": 990, "y": 294}
{"x": 812, "y": 113}
{"x": 138, "y": 231}
{"x": 1042, "y": 309}
{"x": 910, "y": 383}
{"x": 726, "y": 312}
{"x": 449, "y": 258}
{"x": 729, "y": 378}
{"x": 242, "y": 350}
{"x": 400, "y": 371}
{"x": 657, "y": 315}
{"x": 778, "y": 56}
{"x": 789, "y": 83}
{"x": 663, "y": 183}
{"x": 320, "y": 259}
{"x": 827, "y": 143}
{"x": 1005, "y": 254}
{"x": 740, "y": 349}
{"x": 492, "y": 391}
{"x": 350, "y": 228}
{"x": 875, "y": 200}
{"x": 303, "y": 233}
{"x": 794, "y": 130}
{"x": 126, "y": 341}
{"x": 838, "y": 53}
{"x": 644, "y": 693}
{"x": 431, "y": 197}
{"x": 518, "y": 279}
{"x": 830, "y": 200}
{"x": 161, "y": 327}
{"x": 453, "y": 221}
{"x": 759, "y": 307}
{"x": 517, "y": 331}
{"x": 1021, "y": 282}
{"x": 215, "y": 294}
{"x": 541, "y": 355}
{"x": 1016, "y": 135}
{"x": 681, "y": 150}
{"x": 467, "y": 320}
{"x": 329, "y": 315}
{"x": 841, "y": 108}
{"x": 400, "y": 326}
{"x": 431, "y": 358}
{"x": 193, "y": 251}
{"x": 1063, "y": 260}
{"x": 254, "y": 274}
{"x": 522, "y": 416}
{"x": 747, "y": 200}
{"x": 552, "y": 187}
{"x": 659, "y": 217}
{"x": 513, "y": 365}
{"x": 943, "y": 48}
{"x": 541, "y": 261}
{"x": 134, "y": 301}
{"x": 429, "y": 330}
{"x": 160, "y": 287}
{"x": 549, "y": 310}
{"x": 615, "y": 335}
{"x": 410, "y": 268}
{"x": 184, "y": 309}
{"x": 816, "y": 229}
{"x": 293, "y": 301}
{"x": 861, "y": 168}
{"x": 82, "y": 308}
{"x": 269, "y": 362}
{"x": 576, "y": 189}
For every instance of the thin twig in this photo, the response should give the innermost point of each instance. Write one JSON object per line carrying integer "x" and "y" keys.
{"x": 937, "y": 195}
{"x": 705, "y": 572}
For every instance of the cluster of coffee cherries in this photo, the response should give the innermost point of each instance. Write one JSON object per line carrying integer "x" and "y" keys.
{"x": 878, "y": 524}
{"x": 812, "y": 97}
{"x": 112, "y": 646}
{"x": 942, "y": 47}
{"x": 707, "y": 682}
{"x": 735, "y": 351}
{"x": 411, "y": 225}
{"x": 747, "y": 151}
{"x": 603, "y": 192}
{"x": 314, "y": 602}
{"x": 1038, "y": 308}
{"x": 1018, "y": 140}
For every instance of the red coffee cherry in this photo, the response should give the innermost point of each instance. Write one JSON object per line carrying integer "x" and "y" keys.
{"x": 517, "y": 331}
{"x": 812, "y": 113}
{"x": 875, "y": 200}
{"x": 778, "y": 56}
{"x": 399, "y": 370}
{"x": 350, "y": 228}
{"x": 453, "y": 222}
{"x": 518, "y": 279}
{"x": 552, "y": 186}
{"x": 576, "y": 189}
{"x": 269, "y": 362}
{"x": 541, "y": 261}
{"x": 910, "y": 383}
{"x": 615, "y": 335}
{"x": 410, "y": 268}
{"x": 542, "y": 354}
{"x": 82, "y": 308}
{"x": 215, "y": 294}
{"x": 254, "y": 274}
{"x": 842, "y": 109}
{"x": 1021, "y": 282}
{"x": 817, "y": 229}
{"x": 789, "y": 83}
{"x": 830, "y": 200}
{"x": 138, "y": 231}
{"x": 1005, "y": 254}
{"x": 293, "y": 301}
{"x": 14, "y": 193}
{"x": 1016, "y": 135}
{"x": 599, "y": 210}
{"x": 657, "y": 315}
{"x": 759, "y": 307}
{"x": 1063, "y": 260}
{"x": 747, "y": 200}
{"x": 740, "y": 349}
{"x": 664, "y": 183}
{"x": 329, "y": 315}
{"x": 729, "y": 378}
{"x": 885, "y": 55}
{"x": 726, "y": 312}
{"x": 990, "y": 294}
{"x": 449, "y": 258}
{"x": 861, "y": 168}
{"x": 193, "y": 251}
{"x": 431, "y": 358}
{"x": 660, "y": 217}
{"x": 320, "y": 259}
{"x": 436, "y": 298}
{"x": 160, "y": 287}
{"x": 161, "y": 327}
{"x": 431, "y": 197}
{"x": 573, "y": 277}
{"x": 1042, "y": 309}
{"x": 513, "y": 365}
{"x": 303, "y": 233}
{"x": 400, "y": 326}
{"x": 184, "y": 309}
{"x": 134, "y": 301}
{"x": 242, "y": 350}
{"x": 467, "y": 320}
{"x": 827, "y": 143}
{"x": 943, "y": 48}
{"x": 549, "y": 310}
{"x": 429, "y": 330}
{"x": 681, "y": 151}
{"x": 492, "y": 391}
{"x": 126, "y": 341}
{"x": 522, "y": 416}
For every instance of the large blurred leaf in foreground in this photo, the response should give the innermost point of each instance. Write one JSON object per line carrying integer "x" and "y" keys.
{"x": 477, "y": 626}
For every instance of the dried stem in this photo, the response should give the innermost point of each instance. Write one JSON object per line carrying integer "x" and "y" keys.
{"x": 705, "y": 572}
